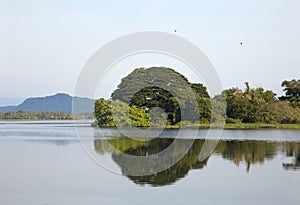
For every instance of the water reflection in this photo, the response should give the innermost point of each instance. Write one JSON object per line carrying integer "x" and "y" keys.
{"x": 292, "y": 150}
{"x": 149, "y": 148}
{"x": 249, "y": 152}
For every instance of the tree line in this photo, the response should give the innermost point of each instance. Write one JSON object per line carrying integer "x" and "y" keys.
{"x": 28, "y": 115}
{"x": 256, "y": 105}
{"x": 146, "y": 89}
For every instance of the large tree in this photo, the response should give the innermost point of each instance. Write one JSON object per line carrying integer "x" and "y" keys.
{"x": 292, "y": 92}
{"x": 291, "y": 88}
{"x": 165, "y": 88}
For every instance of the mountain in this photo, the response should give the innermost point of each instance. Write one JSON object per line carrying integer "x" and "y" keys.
{"x": 56, "y": 103}
{"x": 8, "y": 101}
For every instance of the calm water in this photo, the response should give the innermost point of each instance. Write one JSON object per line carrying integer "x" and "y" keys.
{"x": 44, "y": 163}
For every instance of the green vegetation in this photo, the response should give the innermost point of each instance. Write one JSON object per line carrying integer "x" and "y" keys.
{"x": 103, "y": 113}
{"x": 292, "y": 92}
{"x": 237, "y": 126}
{"x": 172, "y": 93}
{"x": 126, "y": 116}
{"x": 261, "y": 126}
{"x": 146, "y": 89}
{"x": 27, "y": 115}
{"x": 255, "y": 105}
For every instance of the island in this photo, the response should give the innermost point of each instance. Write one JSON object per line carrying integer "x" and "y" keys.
{"x": 156, "y": 96}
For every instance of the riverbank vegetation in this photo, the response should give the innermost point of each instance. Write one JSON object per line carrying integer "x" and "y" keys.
{"x": 145, "y": 90}
{"x": 27, "y": 115}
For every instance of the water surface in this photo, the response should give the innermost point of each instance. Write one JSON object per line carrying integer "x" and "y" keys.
{"x": 44, "y": 163}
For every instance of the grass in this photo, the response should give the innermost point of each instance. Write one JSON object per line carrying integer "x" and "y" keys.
{"x": 261, "y": 126}
{"x": 231, "y": 126}
{"x": 240, "y": 126}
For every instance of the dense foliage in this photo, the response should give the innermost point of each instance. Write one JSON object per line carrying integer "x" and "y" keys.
{"x": 146, "y": 89}
{"x": 255, "y": 105}
{"x": 103, "y": 113}
{"x": 24, "y": 115}
{"x": 292, "y": 92}
{"x": 118, "y": 113}
{"x": 165, "y": 88}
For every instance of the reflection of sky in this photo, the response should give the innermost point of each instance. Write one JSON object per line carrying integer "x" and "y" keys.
{"x": 42, "y": 41}
{"x": 45, "y": 174}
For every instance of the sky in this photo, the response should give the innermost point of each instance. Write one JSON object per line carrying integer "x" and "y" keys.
{"x": 45, "y": 44}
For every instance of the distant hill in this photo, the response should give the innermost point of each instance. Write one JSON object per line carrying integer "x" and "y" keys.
{"x": 8, "y": 101}
{"x": 56, "y": 103}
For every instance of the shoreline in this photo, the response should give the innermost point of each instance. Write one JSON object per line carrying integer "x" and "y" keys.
{"x": 228, "y": 126}
{"x": 240, "y": 126}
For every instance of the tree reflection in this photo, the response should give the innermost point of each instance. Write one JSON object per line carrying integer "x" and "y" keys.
{"x": 148, "y": 148}
{"x": 292, "y": 149}
{"x": 248, "y": 152}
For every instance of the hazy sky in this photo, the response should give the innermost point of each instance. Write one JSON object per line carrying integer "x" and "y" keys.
{"x": 45, "y": 44}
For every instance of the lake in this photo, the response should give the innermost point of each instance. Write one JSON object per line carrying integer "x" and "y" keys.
{"x": 44, "y": 162}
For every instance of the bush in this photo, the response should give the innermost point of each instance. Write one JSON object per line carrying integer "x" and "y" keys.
{"x": 232, "y": 121}
{"x": 184, "y": 123}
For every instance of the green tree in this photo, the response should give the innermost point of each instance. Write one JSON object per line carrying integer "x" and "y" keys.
{"x": 252, "y": 105}
{"x": 256, "y": 105}
{"x": 103, "y": 113}
{"x": 291, "y": 88}
{"x": 292, "y": 92}
{"x": 129, "y": 116}
{"x": 200, "y": 90}
{"x": 28, "y": 115}
{"x": 165, "y": 88}
{"x": 117, "y": 113}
